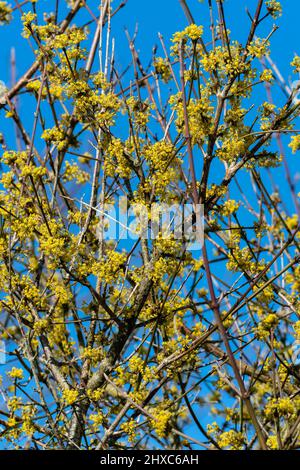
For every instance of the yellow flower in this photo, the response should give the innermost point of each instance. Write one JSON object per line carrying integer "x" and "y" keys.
{"x": 16, "y": 373}
{"x": 231, "y": 439}
{"x": 5, "y": 13}
{"x": 192, "y": 31}
{"x": 116, "y": 161}
{"x": 272, "y": 442}
{"x": 56, "y": 136}
{"x": 14, "y": 403}
{"x": 74, "y": 172}
{"x": 296, "y": 327}
{"x": 274, "y": 7}
{"x": 258, "y": 48}
{"x": 296, "y": 63}
{"x": 229, "y": 207}
{"x": 292, "y": 222}
{"x": 27, "y": 19}
{"x": 129, "y": 429}
{"x": 162, "y": 68}
{"x": 281, "y": 406}
{"x": 95, "y": 395}
{"x": 97, "y": 419}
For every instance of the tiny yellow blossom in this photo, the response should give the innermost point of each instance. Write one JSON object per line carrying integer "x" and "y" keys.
{"x": 295, "y": 143}
{"x": 16, "y": 373}
{"x": 267, "y": 76}
{"x": 70, "y": 396}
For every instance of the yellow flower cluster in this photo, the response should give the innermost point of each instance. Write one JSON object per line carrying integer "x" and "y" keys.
{"x": 56, "y": 136}
{"x": 40, "y": 326}
{"x": 70, "y": 396}
{"x": 100, "y": 81}
{"x": 267, "y": 76}
{"x": 167, "y": 245}
{"x": 296, "y": 327}
{"x": 26, "y": 226}
{"x": 274, "y": 7}
{"x": 267, "y": 109}
{"x": 295, "y": 142}
{"x": 232, "y": 440}
{"x": 12, "y": 422}
{"x": 294, "y": 279}
{"x": 95, "y": 354}
{"x": 108, "y": 105}
{"x": 219, "y": 60}
{"x": 296, "y": 63}
{"x": 35, "y": 86}
{"x": 52, "y": 244}
{"x": 162, "y": 68}
{"x": 272, "y": 442}
{"x": 234, "y": 116}
{"x": 292, "y": 222}
{"x": 136, "y": 364}
{"x": 14, "y": 403}
{"x": 72, "y": 36}
{"x": 229, "y": 207}
{"x": 215, "y": 191}
{"x": 18, "y": 160}
{"x": 129, "y": 429}
{"x": 161, "y": 422}
{"x": 200, "y": 115}
{"x": 28, "y": 426}
{"x": 159, "y": 154}
{"x": 108, "y": 270}
{"x": 95, "y": 395}
{"x": 140, "y": 111}
{"x": 270, "y": 321}
{"x": 11, "y": 158}
{"x": 74, "y": 173}
{"x": 30, "y": 291}
{"x": 97, "y": 419}
{"x": 90, "y": 105}
{"x": 116, "y": 162}
{"x": 62, "y": 292}
{"x": 161, "y": 268}
{"x": 192, "y": 32}
{"x": 34, "y": 171}
{"x": 232, "y": 148}
{"x": 266, "y": 295}
{"x": 280, "y": 406}
{"x": 163, "y": 167}
{"x": 27, "y": 20}
{"x": 259, "y": 48}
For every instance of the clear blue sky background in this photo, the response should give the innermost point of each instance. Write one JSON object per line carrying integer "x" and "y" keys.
{"x": 165, "y": 16}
